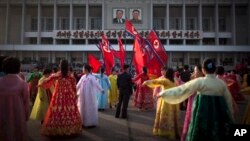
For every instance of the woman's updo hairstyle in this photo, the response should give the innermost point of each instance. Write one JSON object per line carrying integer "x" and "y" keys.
{"x": 209, "y": 65}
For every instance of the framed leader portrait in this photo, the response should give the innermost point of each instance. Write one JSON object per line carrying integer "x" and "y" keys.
{"x": 135, "y": 15}
{"x": 118, "y": 15}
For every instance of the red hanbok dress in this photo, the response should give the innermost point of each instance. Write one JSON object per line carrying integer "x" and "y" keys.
{"x": 62, "y": 117}
{"x": 143, "y": 98}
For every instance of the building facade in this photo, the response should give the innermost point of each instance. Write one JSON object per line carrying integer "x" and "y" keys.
{"x": 47, "y": 31}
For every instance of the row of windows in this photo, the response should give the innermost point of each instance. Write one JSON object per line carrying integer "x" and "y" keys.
{"x": 205, "y": 41}
{"x": 159, "y": 23}
{"x": 63, "y": 23}
{"x": 208, "y": 24}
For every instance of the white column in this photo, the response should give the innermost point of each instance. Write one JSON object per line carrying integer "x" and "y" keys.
{"x": 37, "y": 56}
{"x": 201, "y": 57}
{"x": 167, "y": 11}
{"x": 216, "y": 23}
{"x": 84, "y": 57}
{"x": 200, "y": 19}
{"x": 188, "y": 58}
{"x": 218, "y": 58}
{"x": 68, "y": 56}
{"x": 39, "y": 23}
{"x": 184, "y": 19}
{"x": 70, "y": 18}
{"x": 233, "y": 23}
{"x": 235, "y": 58}
{"x": 55, "y": 20}
{"x": 151, "y": 14}
{"x": 7, "y": 22}
{"x": 53, "y": 55}
{"x": 103, "y": 10}
{"x": 87, "y": 17}
{"x": 20, "y": 55}
{"x": 23, "y": 22}
{"x": 170, "y": 54}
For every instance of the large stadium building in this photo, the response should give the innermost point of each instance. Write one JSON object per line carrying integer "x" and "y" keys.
{"x": 47, "y": 31}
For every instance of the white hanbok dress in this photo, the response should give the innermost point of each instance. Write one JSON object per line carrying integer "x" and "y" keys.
{"x": 87, "y": 87}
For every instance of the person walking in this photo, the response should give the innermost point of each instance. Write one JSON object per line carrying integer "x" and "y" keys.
{"x": 87, "y": 87}
{"x": 124, "y": 84}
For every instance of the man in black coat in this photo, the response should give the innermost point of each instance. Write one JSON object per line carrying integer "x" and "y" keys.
{"x": 124, "y": 83}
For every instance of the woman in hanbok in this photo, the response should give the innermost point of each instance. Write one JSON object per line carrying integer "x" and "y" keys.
{"x": 196, "y": 74}
{"x": 167, "y": 115}
{"x": 87, "y": 87}
{"x": 62, "y": 117}
{"x": 143, "y": 95}
{"x": 102, "y": 98}
{"x": 14, "y": 103}
{"x": 113, "y": 91}
{"x": 212, "y": 110}
{"x": 245, "y": 89}
{"x": 33, "y": 83}
{"x": 42, "y": 100}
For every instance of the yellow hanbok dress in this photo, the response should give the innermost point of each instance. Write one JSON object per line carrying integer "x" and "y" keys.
{"x": 167, "y": 115}
{"x": 42, "y": 102}
{"x": 246, "y": 90}
{"x": 113, "y": 91}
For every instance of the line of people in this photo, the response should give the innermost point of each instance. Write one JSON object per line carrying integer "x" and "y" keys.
{"x": 64, "y": 105}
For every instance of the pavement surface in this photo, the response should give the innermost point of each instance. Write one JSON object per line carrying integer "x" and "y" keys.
{"x": 138, "y": 127}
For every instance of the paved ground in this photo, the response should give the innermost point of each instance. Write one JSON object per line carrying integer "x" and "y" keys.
{"x": 138, "y": 127}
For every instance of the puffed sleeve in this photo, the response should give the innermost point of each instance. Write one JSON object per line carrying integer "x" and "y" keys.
{"x": 157, "y": 82}
{"x": 178, "y": 94}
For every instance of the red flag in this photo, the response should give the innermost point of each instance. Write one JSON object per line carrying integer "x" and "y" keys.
{"x": 158, "y": 61}
{"x": 94, "y": 63}
{"x": 122, "y": 52}
{"x": 107, "y": 55}
{"x": 140, "y": 55}
{"x": 130, "y": 28}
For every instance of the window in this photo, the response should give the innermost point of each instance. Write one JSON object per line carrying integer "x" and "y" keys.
{"x": 43, "y": 60}
{"x": 191, "y": 24}
{"x": 175, "y": 23}
{"x": 79, "y": 23}
{"x": 194, "y": 61}
{"x": 64, "y": 23}
{"x": 158, "y": 23}
{"x": 208, "y": 24}
{"x": 222, "y": 24}
{"x": 47, "y": 24}
{"x": 96, "y": 23}
{"x": 47, "y": 41}
{"x": 34, "y": 24}
{"x": 33, "y": 40}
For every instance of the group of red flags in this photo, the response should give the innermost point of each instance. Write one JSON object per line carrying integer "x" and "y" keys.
{"x": 146, "y": 52}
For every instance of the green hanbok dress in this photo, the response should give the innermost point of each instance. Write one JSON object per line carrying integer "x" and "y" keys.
{"x": 212, "y": 110}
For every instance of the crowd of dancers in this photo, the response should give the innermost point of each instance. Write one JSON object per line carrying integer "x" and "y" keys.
{"x": 64, "y": 102}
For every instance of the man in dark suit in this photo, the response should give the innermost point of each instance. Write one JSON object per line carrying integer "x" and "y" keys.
{"x": 124, "y": 84}
{"x": 185, "y": 77}
{"x": 118, "y": 19}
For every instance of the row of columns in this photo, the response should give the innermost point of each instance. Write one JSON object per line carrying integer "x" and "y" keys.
{"x": 186, "y": 56}
{"x": 103, "y": 10}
